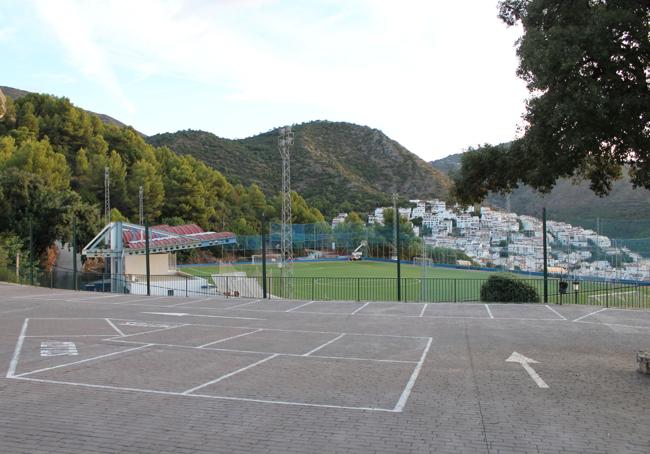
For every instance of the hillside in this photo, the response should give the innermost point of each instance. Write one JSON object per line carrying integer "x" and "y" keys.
{"x": 53, "y": 159}
{"x": 15, "y": 93}
{"x": 335, "y": 166}
{"x": 625, "y": 213}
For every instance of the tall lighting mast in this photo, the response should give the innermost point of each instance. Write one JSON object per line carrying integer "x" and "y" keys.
{"x": 107, "y": 195}
{"x": 141, "y": 204}
{"x": 285, "y": 142}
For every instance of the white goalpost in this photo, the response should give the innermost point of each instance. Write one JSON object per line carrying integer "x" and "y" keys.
{"x": 271, "y": 259}
{"x": 425, "y": 264}
{"x": 423, "y": 261}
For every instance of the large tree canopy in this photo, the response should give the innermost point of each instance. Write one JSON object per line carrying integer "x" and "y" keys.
{"x": 587, "y": 66}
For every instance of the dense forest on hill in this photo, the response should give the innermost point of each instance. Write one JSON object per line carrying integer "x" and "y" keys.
{"x": 52, "y": 160}
{"x": 336, "y": 166}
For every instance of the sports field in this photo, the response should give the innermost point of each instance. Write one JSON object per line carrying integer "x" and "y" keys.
{"x": 362, "y": 269}
{"x": 361, "y": 280}
{"x": 375, "y": 281}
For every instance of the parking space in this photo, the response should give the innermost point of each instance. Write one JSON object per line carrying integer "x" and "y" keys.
{"x": 319, "y": 381}
{"x": 329, "y": 307}
{"x": 151, "y": 368}
{"x": 523, "y": 311}
{"x": 310, "y": 368}
{"x": 618, "y": 317}
{"x": 456, "y": 310}
{"x": 186, "y": 336}
{"x": 142, "y": 375}
{"x": 399, "y": 309}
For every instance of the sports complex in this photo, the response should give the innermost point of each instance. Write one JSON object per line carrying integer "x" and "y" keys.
{"x": 339, "y": 356}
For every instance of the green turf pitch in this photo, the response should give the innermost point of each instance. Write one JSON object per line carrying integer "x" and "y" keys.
{"x": 375, "y": 281}
{"x": 363, "y": 280}
{"x": 362, "y": 269}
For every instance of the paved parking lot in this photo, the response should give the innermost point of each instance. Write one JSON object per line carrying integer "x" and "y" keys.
{"x": 88, "y": 372}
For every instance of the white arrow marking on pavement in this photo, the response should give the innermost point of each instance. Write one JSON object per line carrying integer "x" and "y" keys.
{"x": 184, "y": 314}
{"x": 526, "y": 362}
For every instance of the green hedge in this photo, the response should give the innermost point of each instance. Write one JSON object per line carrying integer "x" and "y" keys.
{"x": 502, "y": 289}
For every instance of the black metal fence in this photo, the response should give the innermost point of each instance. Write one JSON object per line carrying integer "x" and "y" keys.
{"x": 435, "y": 290}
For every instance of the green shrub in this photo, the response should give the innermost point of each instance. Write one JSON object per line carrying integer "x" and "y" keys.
{"x": 503, "y": 289}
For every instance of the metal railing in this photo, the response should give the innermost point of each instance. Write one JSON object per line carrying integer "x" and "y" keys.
{"x": 434, "y": 290}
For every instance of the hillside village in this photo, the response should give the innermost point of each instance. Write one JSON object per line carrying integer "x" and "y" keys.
{"x": 494, "y": 238}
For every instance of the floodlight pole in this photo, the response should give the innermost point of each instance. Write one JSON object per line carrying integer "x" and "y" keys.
{"x": 285, "y": 142}
{"x": 544, "y": 244}
{"x": 31, "y": 253}
{"x": 397, "y": 247}
{"x": 146, "y": 251}
{"x": 264, "y": 295}
{"x": 141, "y": 203}
{"x": 107, "y": 195}
{"x": 74, "y": 252}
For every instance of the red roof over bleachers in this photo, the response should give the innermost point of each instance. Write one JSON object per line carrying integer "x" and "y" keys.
{"x": 170, "y": 236}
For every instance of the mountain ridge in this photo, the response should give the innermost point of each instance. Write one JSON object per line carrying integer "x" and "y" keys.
{"x": 336, "y": 166}
{"x": 16, "y": 93}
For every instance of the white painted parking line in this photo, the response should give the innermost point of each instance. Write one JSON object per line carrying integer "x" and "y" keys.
{"x": 223, "y": 377}
{"x": 202, "y": 396}
{"x": 324, "y": 345}
{"x": 147, "y": 325}
{"x": 618, "y": 325}
{"x": 555, "y": 312}
{"x": 589, "y": 314}
{"x": 358, "y": 309}
{"x": 40, "y": 336}
{"x": 487, "y": 308}
{"x": 148, "y": 298}
{"x": 298, "y": 404}
{"x": 189, "y": 302}
{"x": 625, "y": 309}
{"x": 403, "y": 398}
{"x": 424, "y": 308}
{"x": 119, "y": 331}
{"x": 245, "y": 304}
{"x": 230, "y": 326}
{"x": 13, "y": 311}
{"x": 84, "y": 298}
{"x": 83, "y": 360}
{"x": 147, "y": 332}
{"x": 185, "y": 314}
{"x": 229, "y": 338}
{"x": 256, "y": 352}
{"x": 19, "y": 346}
{"x": 298, "y": 307}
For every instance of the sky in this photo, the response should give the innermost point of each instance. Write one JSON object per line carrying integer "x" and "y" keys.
{"x": 436, "y": 76}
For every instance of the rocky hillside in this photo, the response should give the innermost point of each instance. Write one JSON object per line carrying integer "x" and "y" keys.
{"x": 335, "y": 166}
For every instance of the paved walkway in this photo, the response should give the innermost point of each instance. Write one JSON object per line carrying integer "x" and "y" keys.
{"x": 88, "y": 372}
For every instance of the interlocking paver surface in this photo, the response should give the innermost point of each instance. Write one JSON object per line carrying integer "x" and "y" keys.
{"x": 174, "y": 397}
